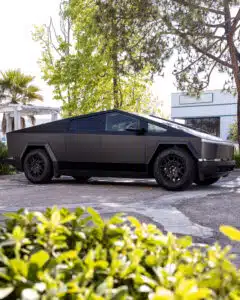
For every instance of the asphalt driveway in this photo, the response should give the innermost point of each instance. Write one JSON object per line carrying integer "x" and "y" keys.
{"x": 198, "y": 212}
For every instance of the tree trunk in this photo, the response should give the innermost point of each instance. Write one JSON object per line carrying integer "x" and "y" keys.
{"x": 114, "y": 55}
{"x": 238, "y": 116}
{"x": 230, "y": 30}
{"x": 115, "y": 82}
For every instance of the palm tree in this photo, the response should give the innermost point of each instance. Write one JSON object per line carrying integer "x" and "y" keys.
{"x": 16, "y": 87}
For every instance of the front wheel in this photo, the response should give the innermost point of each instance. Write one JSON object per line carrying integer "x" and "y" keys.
{"x": 38, "y": 167}
{"x": 174, "y": 169}
{"x": 207, "y": 181}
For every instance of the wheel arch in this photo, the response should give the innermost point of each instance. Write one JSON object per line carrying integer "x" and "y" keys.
{"x": 48, "y": 150}
{"x": 161, "y": 147}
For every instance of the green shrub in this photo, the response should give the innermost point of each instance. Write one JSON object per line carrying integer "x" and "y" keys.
{"x": 237, "y": 159}
{"x": 60, "y": 254}
{"x": 3, "y": 150}
{"x": 233, "y": 132}
{"x": 5, "y": 169}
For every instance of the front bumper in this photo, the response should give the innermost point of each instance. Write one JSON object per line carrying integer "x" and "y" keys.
{"x": 215, "y": 168}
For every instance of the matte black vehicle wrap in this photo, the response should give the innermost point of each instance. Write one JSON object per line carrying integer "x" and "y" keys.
{"x": 122, "y": 144}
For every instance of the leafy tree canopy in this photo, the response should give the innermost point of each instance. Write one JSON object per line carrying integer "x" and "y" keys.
{"x": 233, "y": 132}
{"x": 94, "y": 63}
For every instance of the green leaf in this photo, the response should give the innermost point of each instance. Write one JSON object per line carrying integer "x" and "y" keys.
{"x": 151, "y": 260}
{"x": 185, "y": 242}
{"x": 231, "y": 232}
{"x": 68, "y": 219}
{"x": 40, "y": 258}
{"x": 202, "y": 293}
{"x": 18, "y": 233}
{"x": 5, "y": 292}
{"x": 67, "y": 255}
{"x": 20, "y": 267}
{"x": 96, "y": 218}
{"x": 55, "y": 218}
{"x": 116, "y": 219}
{"x": 41, "y": 217}
{"x": 12, "y": 215}
{"x": 134, "y": 222}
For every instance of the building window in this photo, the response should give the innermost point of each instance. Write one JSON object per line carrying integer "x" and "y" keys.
{"x": 208, "y": 125}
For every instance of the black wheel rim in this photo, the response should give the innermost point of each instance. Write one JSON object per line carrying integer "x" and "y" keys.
{"x": 35, "y": 164}
{"x": 173, "y": 168}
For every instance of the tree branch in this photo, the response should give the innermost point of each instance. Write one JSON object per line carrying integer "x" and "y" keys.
{"x": 205, "y": 52}
{"x": 199, "y": 58}
{"x": 235, "y": 23}
{"x": 209, "y": 75}
{"x": 51, "y": 25}
{"x": 189, "y": 4}
{"x": 214, "y": 65}
{"x": 218, "y": 60}
{"x": 215, "y": 25}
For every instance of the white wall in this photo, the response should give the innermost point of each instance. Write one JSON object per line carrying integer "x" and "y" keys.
{"x": 217, "y": 96}
{"x": 213, "y": 103}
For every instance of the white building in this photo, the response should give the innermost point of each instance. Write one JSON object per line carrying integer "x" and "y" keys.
{"x": 213, "y": 112}
{"x": 14, "y": 112}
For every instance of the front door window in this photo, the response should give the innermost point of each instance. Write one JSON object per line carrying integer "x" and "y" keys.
{"x": 120, "y": 122}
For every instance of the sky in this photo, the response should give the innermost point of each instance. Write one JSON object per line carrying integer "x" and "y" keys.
{"x": 18, "y": 50}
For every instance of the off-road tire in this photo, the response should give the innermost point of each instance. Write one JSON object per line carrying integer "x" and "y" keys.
{"x": 174, "y": 169}
{"x": 37, "y": 166}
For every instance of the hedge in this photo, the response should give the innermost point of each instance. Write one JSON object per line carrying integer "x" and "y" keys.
{"x": 5, "y": 169}
{"x": 60, "y": 254}
{"x": 237, "y": 159}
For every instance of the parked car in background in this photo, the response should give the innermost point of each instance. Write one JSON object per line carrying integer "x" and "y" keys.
{"x": 120, "y": 144}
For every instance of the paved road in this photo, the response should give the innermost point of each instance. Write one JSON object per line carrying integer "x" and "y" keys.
{"x": 198, "y": 212}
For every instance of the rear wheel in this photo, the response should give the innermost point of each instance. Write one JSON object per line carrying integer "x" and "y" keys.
{"x": 174, "y": 169}
{"x": 81, "y": 179}
{"x": 38, "y": 166}
{"x": 207, "y": 181}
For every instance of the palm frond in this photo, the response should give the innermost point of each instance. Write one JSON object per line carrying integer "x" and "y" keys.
{"x": 17, "y": 86}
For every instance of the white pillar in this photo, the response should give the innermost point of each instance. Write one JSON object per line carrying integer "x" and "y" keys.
{"x": 8, "y": 123}
{"x": 54, "y": 116}
{"x": 17, "y": 119}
